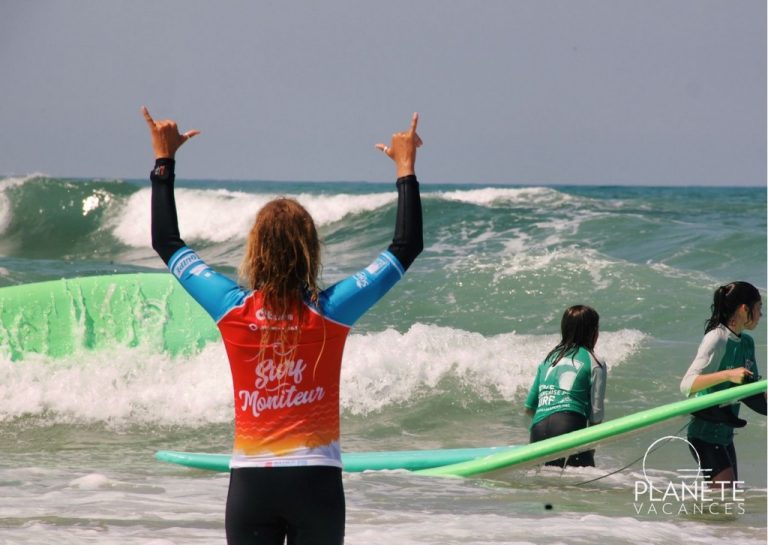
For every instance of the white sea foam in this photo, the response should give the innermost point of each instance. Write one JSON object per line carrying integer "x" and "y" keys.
{"x": 694, "y": 278}
{"x": 97, "y": 199}
{"x": 389, "y": 367}
{"x": 6, "y": 207}
{"x": 490, "y": 196}
{"x": 381, "y": 369}
{"x": 98, "y": 482}
{"x": 92, "y": 481}
{"x": 382, "y": 508}
{"x": 119, "y": 386}
{"x": 517, "y": 260}
{"x": 409, "y": 528}
{"x": 220, "y": 215}
{"x": 552, "y": 234}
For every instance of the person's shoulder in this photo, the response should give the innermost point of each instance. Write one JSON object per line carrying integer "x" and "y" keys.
{"x": 584, "y": 356}
{"x": 598, "y": 360}
{"x": 717, "y": 336}
{"x": 541, "y": 367}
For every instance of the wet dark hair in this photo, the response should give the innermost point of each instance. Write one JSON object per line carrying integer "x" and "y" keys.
{"x": 728, "y": 299}
{"x": 578, "y": 326}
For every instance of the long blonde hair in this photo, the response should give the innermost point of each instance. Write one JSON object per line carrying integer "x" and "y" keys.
{"x": 282, "y": 257}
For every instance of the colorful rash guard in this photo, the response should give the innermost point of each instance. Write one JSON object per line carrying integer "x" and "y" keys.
{"x": 576, "y": 383}
{"x": 286, "y": 397}
{"x": 720, "y": 349}
{"x": 285, "y": 369}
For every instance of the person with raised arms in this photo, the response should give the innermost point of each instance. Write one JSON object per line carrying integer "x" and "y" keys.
{"x": 284, "y": 338}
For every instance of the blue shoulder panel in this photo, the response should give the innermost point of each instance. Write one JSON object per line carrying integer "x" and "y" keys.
{"x": 216, "y": 293}
{"x": 348, "y": 300}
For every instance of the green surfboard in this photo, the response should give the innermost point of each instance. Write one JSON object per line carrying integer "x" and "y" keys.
{"x": 353, "y": 461}
{"x": 562, "y": 445}
{"x": 470, "y": 462}
{"x": 63, "y": 317}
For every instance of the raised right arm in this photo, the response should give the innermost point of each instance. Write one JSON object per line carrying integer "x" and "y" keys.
{"x": 166, "y": 239}
{"x": 213, "y": 291}
{"x": 166, "y": 140}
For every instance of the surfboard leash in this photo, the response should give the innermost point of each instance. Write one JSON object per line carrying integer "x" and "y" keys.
{"x": 633, "y": 462}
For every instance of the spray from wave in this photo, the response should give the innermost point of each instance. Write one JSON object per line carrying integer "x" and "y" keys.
{"x": 380, "y": 370}
{"x": 221, "y": 215}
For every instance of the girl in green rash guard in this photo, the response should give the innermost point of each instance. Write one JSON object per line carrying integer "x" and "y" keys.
{"x": 569, "y": 389}
{"x": 726, "y": 357}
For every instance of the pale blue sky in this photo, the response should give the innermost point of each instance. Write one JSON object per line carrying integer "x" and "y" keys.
{"x": 648, "y": 92}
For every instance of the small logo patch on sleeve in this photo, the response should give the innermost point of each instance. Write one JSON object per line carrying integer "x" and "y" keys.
{"x": 361, "y": 280}
{"x": 185, "y": 262}
{"x": 376, "y": 266}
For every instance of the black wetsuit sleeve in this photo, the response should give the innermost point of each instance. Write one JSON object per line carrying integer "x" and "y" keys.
{"x": 166, "y": 239}
{"x": 408, "y": 241}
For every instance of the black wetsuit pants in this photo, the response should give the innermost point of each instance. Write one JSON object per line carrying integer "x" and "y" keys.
{"x": 303, "y": 504}
{"x": 558, "y": 424}
{"x": 714, "y": 458}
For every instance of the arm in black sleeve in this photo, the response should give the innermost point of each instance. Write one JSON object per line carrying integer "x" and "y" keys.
{"x": 166, "y": 239}
{"x": 408, "y": 240}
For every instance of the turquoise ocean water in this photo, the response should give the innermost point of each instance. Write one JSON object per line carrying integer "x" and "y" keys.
{"x": 443, "y": 361}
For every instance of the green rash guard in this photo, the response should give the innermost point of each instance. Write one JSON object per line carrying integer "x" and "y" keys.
{"x": 576, "y": 383}
{"x": 720, "y": 349}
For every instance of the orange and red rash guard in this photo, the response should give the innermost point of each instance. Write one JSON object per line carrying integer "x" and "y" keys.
{"x": 286, "y": 387}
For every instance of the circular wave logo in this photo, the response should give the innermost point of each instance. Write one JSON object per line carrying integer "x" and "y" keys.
{"x": 667, "y": 439}
{"x": 689, "y": 491}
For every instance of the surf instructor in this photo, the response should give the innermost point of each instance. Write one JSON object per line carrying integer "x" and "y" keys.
{"x": 284, "y": 338}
